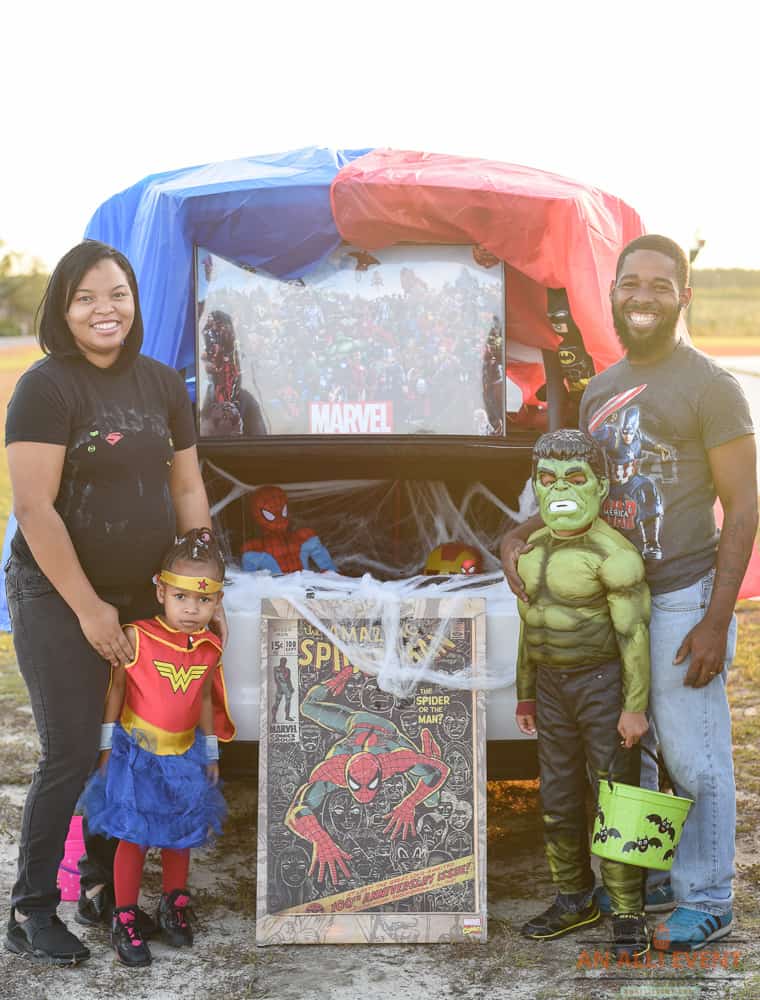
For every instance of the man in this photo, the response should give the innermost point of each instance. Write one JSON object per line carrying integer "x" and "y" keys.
{"x": 699, "y": 415}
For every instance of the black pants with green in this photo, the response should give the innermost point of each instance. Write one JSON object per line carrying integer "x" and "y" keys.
{"x": 577, "y": 712}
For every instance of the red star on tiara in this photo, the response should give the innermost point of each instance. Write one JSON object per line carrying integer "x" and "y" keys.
{"x": 202, "y": 584}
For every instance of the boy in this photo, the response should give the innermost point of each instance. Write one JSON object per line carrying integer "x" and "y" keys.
{"x": 582, "y": 678}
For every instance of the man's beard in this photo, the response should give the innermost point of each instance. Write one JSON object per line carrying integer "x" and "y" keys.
{"x": 638, "y": 349}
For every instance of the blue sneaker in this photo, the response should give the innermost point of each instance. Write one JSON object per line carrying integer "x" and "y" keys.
{"x": 603, "y": 900}
{"x": 660, "y": 899}
{"x": 690, "y": 930}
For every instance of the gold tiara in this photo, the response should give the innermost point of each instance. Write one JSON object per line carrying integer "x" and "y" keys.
{"x": 197, "y": 584}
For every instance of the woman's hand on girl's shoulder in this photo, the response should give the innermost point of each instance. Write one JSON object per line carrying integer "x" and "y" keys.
{"x": 130, "y": 633}
{"x": 100, "y": 627}
{"x": 218, "y": 624}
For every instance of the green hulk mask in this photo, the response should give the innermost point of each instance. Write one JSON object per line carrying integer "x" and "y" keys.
{"x": 569, "y": 493}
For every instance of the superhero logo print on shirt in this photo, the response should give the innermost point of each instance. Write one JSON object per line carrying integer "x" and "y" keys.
{"x": 636, "y": 463}
{"x": 180, "y": 678}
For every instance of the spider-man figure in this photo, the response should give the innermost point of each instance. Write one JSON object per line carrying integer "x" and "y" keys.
{"x": 372, "y": 750}
{"x": 281, "y": 549}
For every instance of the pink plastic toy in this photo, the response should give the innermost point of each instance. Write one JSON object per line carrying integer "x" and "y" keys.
{"x": 68, "y": 873}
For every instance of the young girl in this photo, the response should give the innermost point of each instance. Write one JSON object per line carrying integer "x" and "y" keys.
{"x": 157, "y": 781}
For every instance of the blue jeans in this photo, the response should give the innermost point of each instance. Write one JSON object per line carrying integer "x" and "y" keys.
{"x": 693, "y": 727}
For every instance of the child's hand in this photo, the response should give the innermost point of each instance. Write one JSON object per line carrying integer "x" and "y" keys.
{"x": 632, "y": 726}
{"x": 103, "y": 760}
{"x": 212, "y": 770}
{"x": 525, "y": 717}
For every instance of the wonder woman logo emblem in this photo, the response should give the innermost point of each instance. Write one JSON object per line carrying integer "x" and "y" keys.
{"x": 180, "y": 678}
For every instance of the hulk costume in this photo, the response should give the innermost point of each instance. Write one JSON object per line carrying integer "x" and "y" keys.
{"x": 583, "y": 658}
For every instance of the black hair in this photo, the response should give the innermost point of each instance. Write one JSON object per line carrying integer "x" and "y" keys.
{"x": 565, "y": 444}
{"x": 198, "y": 545}
{"x": 219, "y": 316}
{"x": 53, "y": 333}
{"x": 663, "y": 245}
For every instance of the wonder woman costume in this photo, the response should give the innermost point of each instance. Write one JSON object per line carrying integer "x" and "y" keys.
{"x": 155, "y": 791}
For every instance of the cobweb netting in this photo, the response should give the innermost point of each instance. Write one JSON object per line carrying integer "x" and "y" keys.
{"x": 379, "y": 534}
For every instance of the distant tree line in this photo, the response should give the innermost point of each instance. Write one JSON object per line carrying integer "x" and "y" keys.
{"x": 21, "y": 286}
{"x": 729, "y": 277}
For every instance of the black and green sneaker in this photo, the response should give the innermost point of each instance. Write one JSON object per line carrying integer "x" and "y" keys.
{"x": 568, "y": 912}
{"x": 630, "y": 935}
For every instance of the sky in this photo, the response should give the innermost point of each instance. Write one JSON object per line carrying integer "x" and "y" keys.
{"x": 655, "y": 102}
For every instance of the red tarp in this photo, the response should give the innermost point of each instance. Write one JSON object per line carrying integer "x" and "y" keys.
{"x": 751, "y": 583}
{"x": 551, "y": 232}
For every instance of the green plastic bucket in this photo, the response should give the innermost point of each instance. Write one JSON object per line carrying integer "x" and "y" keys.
{"x": 637, "y": 826}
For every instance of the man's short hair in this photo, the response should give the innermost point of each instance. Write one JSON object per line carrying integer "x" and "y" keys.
{"x": 663, "y": 245}
{"x": 567, "y": 443}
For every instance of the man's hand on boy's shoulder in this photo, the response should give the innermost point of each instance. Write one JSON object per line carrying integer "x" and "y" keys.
{"x": 512, "y": 547}
{"x": 632, "y": 726}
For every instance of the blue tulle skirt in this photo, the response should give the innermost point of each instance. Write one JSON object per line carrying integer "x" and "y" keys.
{"x": 154, "y": 800}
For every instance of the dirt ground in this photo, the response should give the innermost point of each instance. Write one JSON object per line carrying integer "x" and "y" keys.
{"x": 226, "y": 961}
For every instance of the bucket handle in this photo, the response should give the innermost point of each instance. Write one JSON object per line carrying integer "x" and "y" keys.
{"x": 614, "y": 757}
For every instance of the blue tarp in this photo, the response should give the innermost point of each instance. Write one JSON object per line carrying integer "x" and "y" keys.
{"x": 268, "y": 211}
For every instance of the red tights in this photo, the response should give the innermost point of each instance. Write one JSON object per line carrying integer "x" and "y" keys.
{"x": 128, "y": 869}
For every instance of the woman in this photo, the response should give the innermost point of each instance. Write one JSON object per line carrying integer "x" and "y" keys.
{"x": 104, "y": 471}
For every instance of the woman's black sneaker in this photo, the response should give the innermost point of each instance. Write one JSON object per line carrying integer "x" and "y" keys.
{"x": 568, "y": 912}
{"x": 44, "y": 936}
{"x": 629, "y": 935}
{"x": 173, "y": 918}
{"x": 126, "y": 939}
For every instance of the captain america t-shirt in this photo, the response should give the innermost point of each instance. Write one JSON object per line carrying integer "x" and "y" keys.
{"x": 656, "y": 423}
{"x": 120, "y": 427}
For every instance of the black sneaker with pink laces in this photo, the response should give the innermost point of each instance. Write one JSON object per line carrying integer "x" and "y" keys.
{"x": 173, "y": 918}
{"x": 126, "y": 938}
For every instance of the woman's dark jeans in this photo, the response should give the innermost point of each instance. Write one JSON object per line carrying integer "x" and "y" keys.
{"x": 67, "y": 682}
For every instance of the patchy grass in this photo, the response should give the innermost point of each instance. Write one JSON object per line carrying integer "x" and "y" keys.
{"x": 10, "y": 818}
{"x": 12, "y": 688}
{"x": 19, "y": 766}
{"x": 13, "y": 361}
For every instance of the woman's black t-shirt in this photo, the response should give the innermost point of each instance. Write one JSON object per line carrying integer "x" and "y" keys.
{"x": 120, "y": 427}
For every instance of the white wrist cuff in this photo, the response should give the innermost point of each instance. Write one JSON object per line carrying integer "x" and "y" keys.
{"x": 106, "y": 735}
{"x": 212, "y": 747}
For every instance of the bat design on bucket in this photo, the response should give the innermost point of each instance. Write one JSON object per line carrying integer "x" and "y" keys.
{"x": 663, "y": 824}
{"x": 642, "y": 844}
{"x": 604, "y": 834}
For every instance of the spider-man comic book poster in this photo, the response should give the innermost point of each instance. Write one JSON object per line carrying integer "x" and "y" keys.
{"x": 372, "y": 806}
